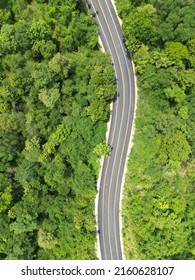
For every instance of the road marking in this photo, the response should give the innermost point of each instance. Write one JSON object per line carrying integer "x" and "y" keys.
{"x": 109, "y": 193}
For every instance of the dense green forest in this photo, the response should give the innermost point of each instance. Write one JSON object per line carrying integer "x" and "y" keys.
{"x": 55, "y": 91}
{"x": 159, "y": 195}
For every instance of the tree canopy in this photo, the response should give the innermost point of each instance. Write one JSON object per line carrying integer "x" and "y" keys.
{"x": 55, "y": 91}
{"x": 158, "y": 202}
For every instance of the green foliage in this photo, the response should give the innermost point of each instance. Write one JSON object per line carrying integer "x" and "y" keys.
{"x": 175, "y": 93}
{"x": 5, "y": 199}
{"x": 102, "y": 150}
{"x": 55, "y": 90}
{"x": 158, "y": 202}
{"x": 174, "y": 148}
{"x": 49, "y": 97}
{"x": 143, "y": 28}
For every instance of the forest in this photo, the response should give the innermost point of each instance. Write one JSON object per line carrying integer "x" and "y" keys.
{"x": 55, "y": 90}
{"x": 159, "y": 194}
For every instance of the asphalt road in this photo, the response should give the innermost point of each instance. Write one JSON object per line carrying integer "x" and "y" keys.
{"x": 120, "y": 131}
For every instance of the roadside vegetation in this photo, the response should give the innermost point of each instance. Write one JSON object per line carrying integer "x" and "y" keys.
{"x": 55, "y": 91}
{"x": 159, "y": 195}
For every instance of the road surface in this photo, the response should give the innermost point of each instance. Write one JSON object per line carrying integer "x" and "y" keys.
{"x": 120, "y": 131}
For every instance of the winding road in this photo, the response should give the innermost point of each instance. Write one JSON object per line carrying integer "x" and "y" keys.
{"x": 109, "y": 227}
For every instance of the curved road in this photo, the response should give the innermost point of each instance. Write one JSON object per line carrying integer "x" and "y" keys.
{"x": 120, "y": 131}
